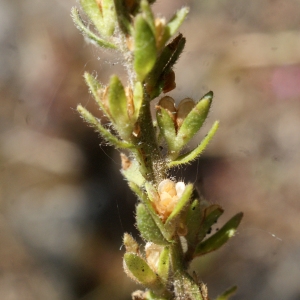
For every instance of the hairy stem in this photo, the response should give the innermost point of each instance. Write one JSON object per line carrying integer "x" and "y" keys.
{"x": 148, "y": 152}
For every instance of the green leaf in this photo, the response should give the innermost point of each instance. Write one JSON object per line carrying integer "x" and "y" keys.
{"x": 102, "y": 15}
{"x": 195, "y": 153}
{"x": 182, "y": 203}
{"x": 117, "y": 102}
{"x": 144, "y": 48}
{"x": 145, "y": 200}
{"x": 95, "y": 88}
{"x": 174, "y": 24}
{"x": 138, "y": 269}
{"x": 220, "y": 237}
{"x": 228, "y": 293}
{"x": 107, "y": 135}
{"x": 163, "y": 269}
{"x": 147, "y": 12}
{"x": 87, "y": 32}
{"x": 92, "y": 10}
{"x": 109, "y": 17}
{"x": 148, "y": 228}
{"x": 167, "y": 127}
{"x": 193, "y": 122}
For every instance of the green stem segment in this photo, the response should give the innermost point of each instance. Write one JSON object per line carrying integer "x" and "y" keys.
{"x": 148, "y": 153}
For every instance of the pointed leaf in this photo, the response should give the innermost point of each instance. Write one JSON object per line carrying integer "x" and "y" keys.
{"x": 147, "y": 12}
{"x": 148, "y": 228}
{"x": 109, "y": 17}
{"x": 163, "y": 269}
{"x": 92, "y": 9}
{"x": 117, "y": 102}
{"x": 145, "y": 200}
{"x": 220, "y": 237}
{"x": 167, "y": 127}
{"x": 87, "y": 32}
{"x": 107, "y": 135}
{"x": 138, "y": 269}
{"x": 174, "y": 24}
{"x": 194, "y": 154}
{"x": 227, "y": 294}
{"x": 144, "y": 48}
{"x": 193, "y": 122}
{"x": 95, "y": 88}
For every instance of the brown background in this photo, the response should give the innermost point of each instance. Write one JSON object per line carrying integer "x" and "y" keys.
{"x": 63, "y": 203}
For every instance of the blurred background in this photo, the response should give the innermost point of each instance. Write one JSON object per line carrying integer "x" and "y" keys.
{"x": 63, "y": 204}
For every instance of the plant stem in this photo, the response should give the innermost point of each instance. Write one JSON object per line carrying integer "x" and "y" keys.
{"x": 149, "y": 156}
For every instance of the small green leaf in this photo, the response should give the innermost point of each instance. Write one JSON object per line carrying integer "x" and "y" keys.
{"x": 92, "y": 9}
{"x": 138, "y": 97}
{"x": 117, "y": 102}
{"x": 195, "y": 153}
{"x": 87, "y": 32}
{"x": 138, "y": 269}
{"x": 167, "y": 127}
{"x": 107, "y": 135}
{"x": 109, "y": 17}
{"x": 148, "y": 228}
{"x": 193, "y": 122}
{"x": 220, "y": 237}
{"x": 228, "y": 293}
{"x": 145, "y": 200}
{"x": 147, "y": 12}
{"x": 182, "y": 203}
{"x": 174, "y": 24}
{"x": 144, "y": 48}
{"x": 95, "y": 88}
{"x": 163, "y": 269}
{"x": 101, "y": 14}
